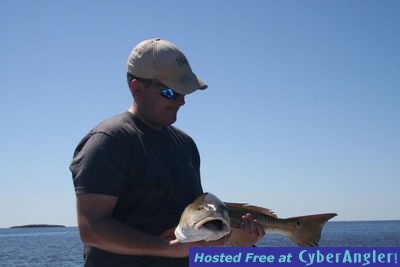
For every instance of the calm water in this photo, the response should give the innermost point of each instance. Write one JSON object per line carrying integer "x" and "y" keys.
{"x": 62, "y": 247}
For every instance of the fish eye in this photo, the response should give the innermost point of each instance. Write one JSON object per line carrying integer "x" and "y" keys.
{"x": 210, "y": 207}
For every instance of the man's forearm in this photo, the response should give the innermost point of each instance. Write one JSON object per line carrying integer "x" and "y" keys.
{"x": 113, "y": 236}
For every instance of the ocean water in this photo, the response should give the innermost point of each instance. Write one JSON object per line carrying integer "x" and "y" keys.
{"x": 43, "y": 247}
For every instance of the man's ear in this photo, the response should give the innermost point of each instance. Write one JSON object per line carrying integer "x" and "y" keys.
{"x": 136, "y": 88}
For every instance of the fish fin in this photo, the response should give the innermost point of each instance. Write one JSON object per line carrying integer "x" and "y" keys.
{"x": 249, "y": 208}
{"x": 169, "y": 234}
{"x": 308, "y": 228}
{"x": 239, "y": 238}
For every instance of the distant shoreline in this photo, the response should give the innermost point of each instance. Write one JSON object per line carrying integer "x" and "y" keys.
{"x": 37, "y": 226}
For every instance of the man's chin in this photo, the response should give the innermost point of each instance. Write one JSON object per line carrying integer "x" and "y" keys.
{"x": 169, "y": 121}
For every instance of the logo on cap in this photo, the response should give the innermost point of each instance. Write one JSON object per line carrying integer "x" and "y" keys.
{"x": 182, "y": 61}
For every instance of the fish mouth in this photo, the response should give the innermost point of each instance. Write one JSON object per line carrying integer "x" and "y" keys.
{"x": 213, "y": 224}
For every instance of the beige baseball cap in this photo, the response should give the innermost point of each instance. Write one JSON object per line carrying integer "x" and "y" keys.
{"x": 160, "y": 60}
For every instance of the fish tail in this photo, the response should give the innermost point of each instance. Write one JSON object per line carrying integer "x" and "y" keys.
{"x": 306, "y": 230}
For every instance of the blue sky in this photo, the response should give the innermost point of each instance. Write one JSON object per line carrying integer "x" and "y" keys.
{"x": 301, "y": 115}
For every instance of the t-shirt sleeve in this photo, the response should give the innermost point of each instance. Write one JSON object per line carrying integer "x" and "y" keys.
{"x": 99, "y": 166}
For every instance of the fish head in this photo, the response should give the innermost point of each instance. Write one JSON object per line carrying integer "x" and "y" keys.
{"x": 207, "y": 218}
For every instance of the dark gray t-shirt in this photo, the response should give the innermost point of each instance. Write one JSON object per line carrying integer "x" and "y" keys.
{"x": 154, "y": 174}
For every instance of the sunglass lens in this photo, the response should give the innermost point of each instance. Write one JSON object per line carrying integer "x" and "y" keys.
{"x": 169, "y": 94}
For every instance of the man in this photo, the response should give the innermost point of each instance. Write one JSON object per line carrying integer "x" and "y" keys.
{"x": 135, "y": 173}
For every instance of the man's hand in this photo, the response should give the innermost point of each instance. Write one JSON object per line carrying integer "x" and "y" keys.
{"x": 182, "y": 249}
{"x": 248, "y": 234}
{"x": 252, "y": 227}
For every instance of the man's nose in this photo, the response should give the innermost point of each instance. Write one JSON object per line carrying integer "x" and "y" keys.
{"x": 180, "y": 99}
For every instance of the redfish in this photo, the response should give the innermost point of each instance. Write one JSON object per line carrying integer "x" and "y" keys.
{"x": 208, "y": 218}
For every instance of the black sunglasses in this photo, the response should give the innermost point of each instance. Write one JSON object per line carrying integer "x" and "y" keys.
{"x": 166, "y": 92}
{"x": 170, "y": 94}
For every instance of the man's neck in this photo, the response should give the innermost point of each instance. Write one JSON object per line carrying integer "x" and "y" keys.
{"x": 133, "y": 109}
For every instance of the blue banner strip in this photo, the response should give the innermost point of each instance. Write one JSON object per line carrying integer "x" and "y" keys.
{"x": 294, "y": 256}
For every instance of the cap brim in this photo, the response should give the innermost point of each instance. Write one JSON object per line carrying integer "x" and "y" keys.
{"x": 185, "y": 85}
